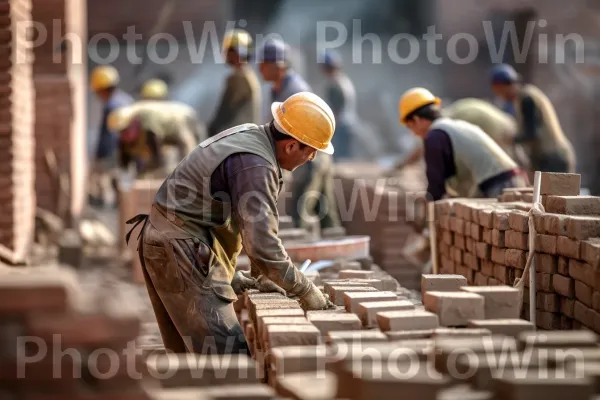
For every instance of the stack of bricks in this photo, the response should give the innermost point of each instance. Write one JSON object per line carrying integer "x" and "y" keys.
{"x": 381, "y": 208}
{"x": 487, "y": 241}
{"x": 16, "y": 132}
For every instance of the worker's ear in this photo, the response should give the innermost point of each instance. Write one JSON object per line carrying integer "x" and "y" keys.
{"x": 290, "y": 146}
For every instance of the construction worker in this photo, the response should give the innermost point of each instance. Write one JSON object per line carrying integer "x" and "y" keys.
{"x": 221, "y": 197}
{"x": 148, "y": 128}
{"x": 312, "y": 184}
{"x": 457, "y": 153}
{"x": 499, "y": 125}
{"x": 539, "y": 128}
{"x": 241, "y": 100}
{"x": 104, "y": 81}
{"x": 154, "y": 89}
{"x": 341, "y": 97}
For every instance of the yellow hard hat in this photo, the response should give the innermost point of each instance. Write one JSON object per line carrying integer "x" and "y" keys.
{"x": 307, "y": 118}
{"x": 414, "y": 99}
{"x": 104, "y": 77}
{"x": 154, "y": 89}
{"x": 238, "y": 39}
{"x": 119, "y": 119}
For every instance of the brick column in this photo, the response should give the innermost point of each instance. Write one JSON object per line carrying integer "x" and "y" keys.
{"x": 17, "y": 195}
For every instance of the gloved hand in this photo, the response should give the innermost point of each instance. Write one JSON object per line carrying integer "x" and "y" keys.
{"x": 314, "y": 299}
{"x": 266, "y": 285}
{"x": 242, "y": 281}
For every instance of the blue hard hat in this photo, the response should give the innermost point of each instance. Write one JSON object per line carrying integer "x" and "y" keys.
{"x": 503, "y": 73}
{"x": 274, "y": 51}
{"x": 331, "y": 58}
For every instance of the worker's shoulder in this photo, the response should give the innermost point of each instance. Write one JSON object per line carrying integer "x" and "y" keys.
{"x": 244, "y": 161}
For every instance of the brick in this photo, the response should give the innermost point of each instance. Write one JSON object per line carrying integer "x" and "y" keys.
{"x": 448, "y": 238}
{"x": 486, "y": 235}
{"x": 466, "y": 272}
{"x": 563, "y": 285}
{"x": 409, "y": 335}
{"x": 517, "y": 240}
{"x": 519, "y": 221}
{"x": 483, "y": 250}
{"x": 539, "y": 222}
{"x": 548, "y": 302}
{"x": 368, "y": 311}
{"x": 573, "y": 205}
{"x": 470, "y": 245}
{"x": 590, "y": 252}
{"x": 444, "y": 222}
{"x": 455, "y": 308}
{"x": 374, "y": 283}
{"x": 457, "y": 255}
{"x": 501, "y": 302}
{"x": 480, "y": 279}
{"x": 583, "y": 227}
{"x": 336, "y": 293}
{"x": 501, "y": 273}
{"x": 543, "y": 282}
{"x": 406, "y": 320}
{"x": 264, "y": 322}
{"x": 476, "y": 232}
{"x": 566, "y": 323}
{"x": 498, "y": 238}
{"x": 582, "y": 339}
{"x": 353, "y": 300}
{"x": 459, "y": 242}
{"x": 567, "y": 307}
{"x": 442, "y": 283}
{"x": 357, "y": 337}
{"x": 560, "y": 184}
{"x": 516, "y": 258}
{"x": 471, "y": 261}
{"x": 457, "y": 225}
{"x": 545, "y": 244}
{"x": 596, "y": 301}
{"x": 555, "y": 224}
{"x": 584, "y": 314}
{"x": 444, "y": 249}
{"x": 447, "y": 265}
{"x": 498, "y": 255}
{"x": 272, "y": 305}
{"x": 487, "y": 268}
{"x": 581, "y": 271}
{"x": 447, "y": 350}
{"x": 568, "y": 247}
{"x": 500, "y": 218}
{"x": 292, "y": 335}
{"x": 354, "y": 274}
{"x": 583, "y": 293}
{"x": 546, "y": 263}
{"x": 335, "y": 322}
{"x": 507, "y": 327}
{"x": 547, "y": 320}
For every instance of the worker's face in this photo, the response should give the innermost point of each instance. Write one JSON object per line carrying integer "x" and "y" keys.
{"x": 505, "y": 91}
{"x": 270, "y": 72}
{"x": 294, "y": 154}
{"x": 418, "y": 126}
{"x": 103, "y": 95}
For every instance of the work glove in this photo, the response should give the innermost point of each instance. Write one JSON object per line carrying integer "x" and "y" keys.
{"x": 266, "y": 285}
{"x": 242, "y": 281}
{"x": 314, "y": 299}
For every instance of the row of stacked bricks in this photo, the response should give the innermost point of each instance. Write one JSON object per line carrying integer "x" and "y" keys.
{"x": 487, "y": 241}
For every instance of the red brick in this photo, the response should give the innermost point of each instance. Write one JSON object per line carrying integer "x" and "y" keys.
{"x": 563, "y": 266}
{"x": 596, "y": 301}
{"x": 494, "y": 282}
{"x": 517, "y": 240}
{"x": 470, "y": 245}
{"x": 498, "y": 238}
{"x": 498, "y": 255}
{"x": 568, "y": 247}
{"x": 545, "y": 244}
{"x": 501, "y": 273}
{"x": 483, "y": 250}
{"x": 583, "y": 314}
{"x": 548, "y": 302}
{"x": 519, "y": 221}
{"x": 563, "y": 285}
{"x": 476, "y": 232}
{"x": 444, "y": 249}
{"x": 500, "y": 218}
{"x": 583, "y": 293}
{"x": 486, "y": 236}
{"x": 560, "y": 184}
{"x": 480, "y": 279}
{"x": 448, "y": 265}
{"x": 547, "y": 320}
{"x": 335, "y": 322}
{"x": 539, "y": 223}
{"x": 448, "y": 238}
{"x": 444, "y": 222}
{"x": 584, "y": 273}
{"x": 590, "y": 252}
{"x": 573, "y": 205}
{"x": 486, "y": 218}
{"x": 292, "y": 335}
{"x": 543, "y": 282}
{"x": 567, "y": 307}
{"x": 457, "y": 255}
{"x": 457, "y": 225}
{"x": 583, "y": 228}
{"x": 566, "y": 323}
{"x": 459, "y": 241}
{"x": 487, "y": 268}
{"x": 555, "y": 224}
{"x": 516, "y": 258}
{"x": 471, "y": 261}
{"x": 356, "y": 274}
{"x": 546, "y": 263}
{"x": 352, "y": 300}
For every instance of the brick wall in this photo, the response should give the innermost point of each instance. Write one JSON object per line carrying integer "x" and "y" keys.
{"x": 17, "y": 201}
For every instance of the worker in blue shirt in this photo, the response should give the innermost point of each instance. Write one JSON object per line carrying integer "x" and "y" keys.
{"x": 312, "y": 184}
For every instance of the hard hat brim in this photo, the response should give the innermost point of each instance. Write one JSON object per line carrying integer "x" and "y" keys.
{"x": 274, "y": 106}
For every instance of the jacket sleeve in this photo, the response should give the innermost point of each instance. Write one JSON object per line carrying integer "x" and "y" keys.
{"x": 236, "y": 93}
{"x": 254, "y": 190}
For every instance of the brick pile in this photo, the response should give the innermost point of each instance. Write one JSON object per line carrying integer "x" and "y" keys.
{"x": 486, "y": 241}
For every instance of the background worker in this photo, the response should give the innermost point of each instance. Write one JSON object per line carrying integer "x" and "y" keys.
{"x": 539, "y": 128}
{"x": 221, "y": 197}
{"x": 499, "y": 125}
{"x": 241, "y": 100}
{"x": 457, "y": 153}
{"x": 104, "y": 81}
{"x": 154, "y": 89}
{"x": 312, "y": 184}
{"x": 341, "y": 97}
{"x": 149, "y": 133}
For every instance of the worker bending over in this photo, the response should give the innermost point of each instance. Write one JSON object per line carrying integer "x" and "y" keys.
{"x": 104, "y": 81}
{"x": 154, "y": 89}
{"x": 312, "y": 184}
{"x": 241, "y": 100}
{"x": 148, "y": 129}
{"x": 221, "y": 197}
{"x": 457, "y": 153}
{"x": 539, "y": 128}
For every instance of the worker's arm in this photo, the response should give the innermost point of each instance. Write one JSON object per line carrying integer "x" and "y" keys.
{"x": 254, "y": 187}
{"x": 439, "y": 159}
{"x": 335, "y": 99}
{"x": 528, "y": 111}
{"x": 237, "y": 92}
